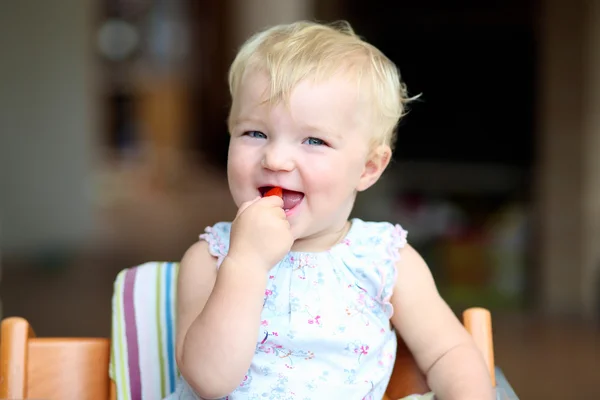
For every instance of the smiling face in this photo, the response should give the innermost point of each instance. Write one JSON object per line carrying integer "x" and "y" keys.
{"x": 316, "y": 147}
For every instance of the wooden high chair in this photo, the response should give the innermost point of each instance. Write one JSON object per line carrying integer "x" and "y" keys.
{"x": 51, "y": 368}
{"x": 138, "y": 361}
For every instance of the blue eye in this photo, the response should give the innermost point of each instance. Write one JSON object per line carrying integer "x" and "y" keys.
{"x": 315, "y": 142}
{"x": 255, "y": 134}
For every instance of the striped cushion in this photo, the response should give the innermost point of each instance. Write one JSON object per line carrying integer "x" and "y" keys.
{"x": 143, "y": 332}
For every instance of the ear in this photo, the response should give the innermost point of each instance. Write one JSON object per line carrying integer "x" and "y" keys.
{"x": 376, "y": 163}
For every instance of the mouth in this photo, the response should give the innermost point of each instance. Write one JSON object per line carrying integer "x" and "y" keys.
{"x": 291, "y": 198}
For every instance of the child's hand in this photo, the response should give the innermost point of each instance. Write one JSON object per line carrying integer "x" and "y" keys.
{"x": 261, "y": 233}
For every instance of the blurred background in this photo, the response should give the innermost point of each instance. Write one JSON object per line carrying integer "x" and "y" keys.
{"x": 113, "y": 145}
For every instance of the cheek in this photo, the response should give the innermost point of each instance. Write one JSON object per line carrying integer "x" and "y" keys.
{"x": 239, "y": 170}
{"x": 238, "y": 160}
{"x": 334, "y": 178}
{"x": 317, "y": 174}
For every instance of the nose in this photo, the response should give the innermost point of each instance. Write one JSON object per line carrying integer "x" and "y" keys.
{"x": 277, "y": 158}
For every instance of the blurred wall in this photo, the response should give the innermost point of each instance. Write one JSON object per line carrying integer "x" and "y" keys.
{"x": 591, "y": 166}
{"x": 45, "y": 124}
{"x": 569, "y": 145}
{"x": 248, "y": 16}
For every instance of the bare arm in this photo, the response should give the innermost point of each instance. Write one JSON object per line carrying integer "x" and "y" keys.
{"x": 442, "y": 347}
{"x": 218, "y": 316}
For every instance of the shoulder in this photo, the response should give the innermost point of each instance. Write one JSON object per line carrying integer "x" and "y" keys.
{"x": 378, "y": 236}
{"x": 197, "y": 262}
{"x": 197, "y": 252}
{"x": 411, "y": 268}
{"x": 414, "y": 286}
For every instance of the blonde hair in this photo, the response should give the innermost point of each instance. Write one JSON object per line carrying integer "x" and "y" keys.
{"x": 293, "y": 52}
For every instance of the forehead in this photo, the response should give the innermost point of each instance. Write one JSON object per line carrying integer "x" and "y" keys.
{"x": 336, "y": 102}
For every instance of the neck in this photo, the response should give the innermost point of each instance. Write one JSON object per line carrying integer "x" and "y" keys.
{"x": 322, "y": 241}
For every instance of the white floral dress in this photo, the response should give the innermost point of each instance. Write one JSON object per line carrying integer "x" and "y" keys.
{"x": 325, "y": 328}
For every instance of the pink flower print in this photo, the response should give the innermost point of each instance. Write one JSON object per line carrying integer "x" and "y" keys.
{"x": 358, "y": 348}
{"x": 268, "y": 292}
{"x": 246, "y": 382}
{"x": 307, "y": 262}
{"x": 361, "y": 289}
{"x": 271, "y": 349}
{"x": 346, "y": 242}
{"x": 361, "y": 299}
{"x": 265, "y": 338}
{"x": 316, "y": 320}
{"x": 271, "y": 276}
{"x": 386, "y": 359}
{"x": 264, "y": 322}
{"x": 362, "y": 350}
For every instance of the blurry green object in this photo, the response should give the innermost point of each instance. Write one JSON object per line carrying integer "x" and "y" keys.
{"x": 485, "y": 264}
{"x": 508, "y": 250}
{"x": 461, "y": 297}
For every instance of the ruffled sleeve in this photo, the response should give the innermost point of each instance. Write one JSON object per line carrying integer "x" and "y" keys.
{"x": 388, "y": 275}
{"x": 373, "y": 251}
{"x": 217, "y": 237}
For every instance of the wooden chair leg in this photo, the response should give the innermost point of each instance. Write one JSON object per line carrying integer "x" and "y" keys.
{"x": 478, "y": 321}
{"x": 14, "y": 335}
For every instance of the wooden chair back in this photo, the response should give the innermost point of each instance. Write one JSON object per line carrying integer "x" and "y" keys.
{"x": 51, "y": 368}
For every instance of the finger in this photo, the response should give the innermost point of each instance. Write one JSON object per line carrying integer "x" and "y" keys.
{"x": 247, "y": 204}
{"x": 274, "y": 201}
{"x": 280, "y": 213}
